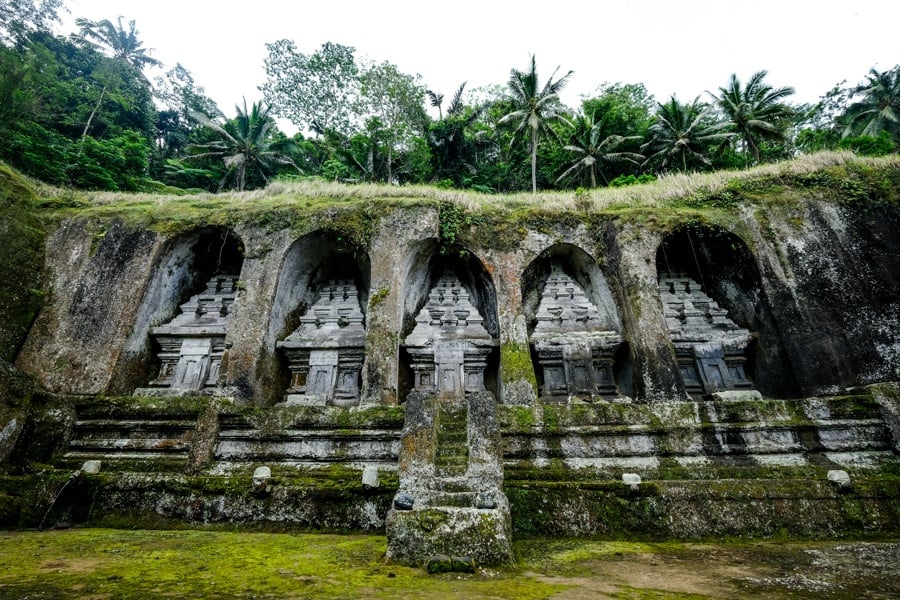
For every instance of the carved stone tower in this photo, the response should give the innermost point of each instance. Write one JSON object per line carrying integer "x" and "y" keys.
{"x": 709, "y": 346}
{"x": 325, "y": 353}
{"x": 193, "y": 342}
{"x": 575, "y": 350}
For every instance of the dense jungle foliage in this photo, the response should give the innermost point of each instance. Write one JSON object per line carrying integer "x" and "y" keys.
{"x": 82, "y": 111}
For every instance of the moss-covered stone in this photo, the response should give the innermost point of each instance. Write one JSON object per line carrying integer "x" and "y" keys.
{"x": 21, "y": 261}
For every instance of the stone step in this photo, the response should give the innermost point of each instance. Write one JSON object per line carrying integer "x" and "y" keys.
{"x": 109, "y": 446}
{"x": 778, "y": 465}
{"x": 135, "y": 423}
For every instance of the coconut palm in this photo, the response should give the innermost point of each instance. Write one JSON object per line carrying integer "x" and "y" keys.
{"x": 123, "y": 43}
{"x": 683, "y": 133}
{"x": 594, "y": 150}
{"x": 756, "y": 111}
{"x": 879, "y": 108}
{"x": 246, "y": 144}
{"x": 533, "y": 109}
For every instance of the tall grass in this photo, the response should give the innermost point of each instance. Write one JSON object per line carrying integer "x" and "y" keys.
{"x": 650, "y": 195}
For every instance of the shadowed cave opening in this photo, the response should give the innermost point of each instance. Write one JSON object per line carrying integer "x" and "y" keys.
{"x": 721, "y": 264}
{"x": 187, "y": 263}
{"x": 312, "y": 262}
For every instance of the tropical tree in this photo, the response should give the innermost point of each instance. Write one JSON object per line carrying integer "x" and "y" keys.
{"x": 682, "y": 135}
{"x": 121, "y": 42}
{"x": 18, "y": 17}
{"x": 452, "y": 144}
{"x": 879, "y": 108}
{"x": 395, "y": 100}
{"x": 594, "y": 149}
{"x": 755, "y": 111}
{"x": 317, "y": 91}
{"x": 533, "y": 108}
{"x": 247, "y": 144}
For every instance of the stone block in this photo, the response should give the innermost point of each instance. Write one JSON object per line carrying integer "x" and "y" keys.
{"x": 839, "y": 478}
{"x": 370, "y": 478}
{"x": 403, "y": 501}
{"x": 91, "y": 467}
{"x": 482, "y": 535}
{"x": 737, "y": 396}
{"x": 439, "y": 563}
{"x": 632, "y": 481}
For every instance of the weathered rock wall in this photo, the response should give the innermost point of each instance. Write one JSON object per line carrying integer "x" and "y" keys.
{"x": 822, "y": 302}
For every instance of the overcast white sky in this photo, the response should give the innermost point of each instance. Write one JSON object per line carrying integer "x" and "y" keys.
{"x": 681, "y": 47}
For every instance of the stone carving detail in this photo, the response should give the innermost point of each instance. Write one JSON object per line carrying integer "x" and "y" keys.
{"x": 574, "y": 349}
{"x": 708, "y": 345}
{"x": 449, "y": 345}
{"x": 193, "y": 342}
{"x": 325, "y": 353}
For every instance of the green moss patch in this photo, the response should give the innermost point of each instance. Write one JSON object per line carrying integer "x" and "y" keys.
{"x": 203, "y": 564}
{"x": 21, "y": 261}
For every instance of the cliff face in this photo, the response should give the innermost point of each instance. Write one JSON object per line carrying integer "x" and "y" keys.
{"x": 812, "y": 276}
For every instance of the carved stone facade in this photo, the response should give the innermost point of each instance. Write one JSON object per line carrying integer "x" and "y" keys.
{"x": 193, "y": 342}
{"x": 709, "y": 346}
{"x": 575, "y": 351}
{"x": 325, "y": 353}
{"x": 449, "y": 345}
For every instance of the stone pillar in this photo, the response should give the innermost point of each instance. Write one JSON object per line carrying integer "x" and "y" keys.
{"x": 517, "y": 380}
{"x": 248, "y": 341}
{"x": 395, "y": 241}
{"x": 635, "y": 248}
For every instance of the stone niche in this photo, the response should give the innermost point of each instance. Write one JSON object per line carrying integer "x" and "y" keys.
{"x": 728, "y": 273}
{"x": 192, "y": 344}
{"x": 449, "y": 345}
{"x": 325, "y": 353}
{"x": 574, "y": 328}
{"x": 710, "y": 347}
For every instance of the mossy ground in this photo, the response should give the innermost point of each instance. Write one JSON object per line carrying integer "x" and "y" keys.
{"x": 104, "y": 563}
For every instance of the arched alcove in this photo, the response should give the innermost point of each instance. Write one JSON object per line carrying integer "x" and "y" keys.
{"x": 596, "y": 328}
{"x": 721, "y": 264}
{"x": 312, "y": 263}
{"x": 426, "y": 268}
{"x": 187, "y": 264}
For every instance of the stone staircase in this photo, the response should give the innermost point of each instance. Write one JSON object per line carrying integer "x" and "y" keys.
{"x": 308, "y": 437}
{"x": 696, "y": 440}
{"x": 132, "y": 436}
{"x": 452, "y": 446}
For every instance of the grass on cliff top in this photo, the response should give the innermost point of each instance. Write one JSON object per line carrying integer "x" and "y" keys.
{"x": 103, "y": 563}
{"x": 315, "y": 193}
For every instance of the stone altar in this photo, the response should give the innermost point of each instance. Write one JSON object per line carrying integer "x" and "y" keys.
{"x": 710, "y": 347}
{"x": 449, "y": 345}
{"x": 325, "y": 353}
{"x": 574, "y": 349}
{"x": 193, "y": 342}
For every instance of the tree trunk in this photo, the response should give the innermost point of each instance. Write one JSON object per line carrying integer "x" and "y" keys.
{"x": 534, "y": 161}
{"x": 87, "y": 125}
{"x": 390, "y": 151}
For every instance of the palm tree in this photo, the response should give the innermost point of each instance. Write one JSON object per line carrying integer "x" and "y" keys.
{"x": 879, "y": 108}
{"x": 594, "y": 150}
{"x": 245, "y": 144}
{"x": 682, "y": 132}
{"x": 755, "y": 111}
{"x": 124, "y": 44}
{"x": 533, "y": 109}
